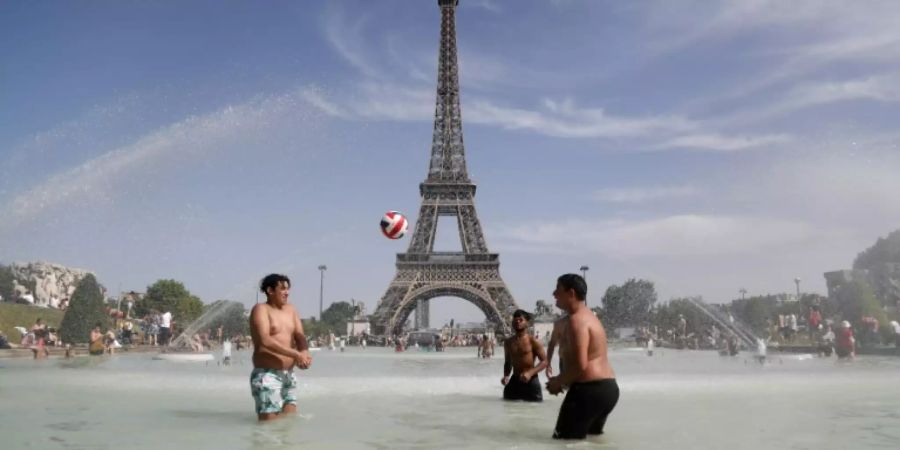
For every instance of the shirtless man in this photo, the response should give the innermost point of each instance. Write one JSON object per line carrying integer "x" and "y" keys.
{"x": 519, "y": 352}
{"x": 278, "y": 345}
{"x": 587, "y": 374}
{"x": 95, "y": 343}
{"x": 487, "y": 346}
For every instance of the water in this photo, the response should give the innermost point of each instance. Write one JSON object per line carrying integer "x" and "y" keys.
{"x": 373, "y": 398}
{"x": 732, "y": 325}
{"x": 202, "y": 323}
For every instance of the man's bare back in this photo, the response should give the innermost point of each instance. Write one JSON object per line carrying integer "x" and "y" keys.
{"x": 587, "y": 375}
{"x": 585, "y": 326}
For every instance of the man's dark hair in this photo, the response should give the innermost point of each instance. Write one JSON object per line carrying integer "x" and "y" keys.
{"x": 522, "y": 313}
{"x": 574, "y": 281}
{"x": 272, "y": 281}
{"x": 98, "y": 325}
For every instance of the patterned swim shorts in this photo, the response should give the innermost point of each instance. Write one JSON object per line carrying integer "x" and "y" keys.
{"x": 272, "y": 389}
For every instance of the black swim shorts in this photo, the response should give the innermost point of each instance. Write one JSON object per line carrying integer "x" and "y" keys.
{"x": 585, "y": 409}
{"x": 516, "y": 389}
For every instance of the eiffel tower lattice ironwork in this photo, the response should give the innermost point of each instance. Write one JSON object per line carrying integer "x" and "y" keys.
{"x": 472, "y": 274}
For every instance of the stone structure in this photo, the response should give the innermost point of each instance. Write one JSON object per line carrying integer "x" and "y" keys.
{"x": 472, "y": 274}
{"x": 46, "y": 283}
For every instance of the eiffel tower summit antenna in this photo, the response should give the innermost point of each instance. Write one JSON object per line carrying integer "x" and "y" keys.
{"x": 472, "y": 274}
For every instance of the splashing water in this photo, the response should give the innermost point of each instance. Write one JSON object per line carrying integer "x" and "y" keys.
{"x": 745, "y": 335}
{"x": 205, "y": 319}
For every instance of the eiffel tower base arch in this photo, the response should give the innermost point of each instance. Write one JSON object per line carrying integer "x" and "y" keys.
{"x": 489, "y": 294}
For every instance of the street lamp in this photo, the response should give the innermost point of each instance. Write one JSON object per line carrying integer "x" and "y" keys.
{"x": 797, "y": 282}
{"x": 584, "y": 270}
{"x": 322, "y": 270}
{"x": 743, "y": 293}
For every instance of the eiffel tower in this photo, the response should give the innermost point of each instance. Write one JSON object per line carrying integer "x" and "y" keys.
{"x": 472, "y": 274}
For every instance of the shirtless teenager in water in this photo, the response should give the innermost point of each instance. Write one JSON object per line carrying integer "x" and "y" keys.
{"x": 587, "y": 374}
{"x": 520, "y": 351}
{"x": 278, "y": 345}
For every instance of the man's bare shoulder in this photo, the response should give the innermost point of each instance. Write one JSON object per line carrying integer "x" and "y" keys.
{"x": 258, "y": 308}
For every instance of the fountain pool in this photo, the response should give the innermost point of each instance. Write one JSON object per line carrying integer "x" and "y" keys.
{"x": 374, "y": 398}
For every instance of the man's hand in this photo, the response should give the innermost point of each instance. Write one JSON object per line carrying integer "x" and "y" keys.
{"x": 549, "y": 371}
{"x": 303, "y": 360}
{"x": 504, "y": 380}
{"x": 526, "y": 376}
{"x": 554, "y": 386}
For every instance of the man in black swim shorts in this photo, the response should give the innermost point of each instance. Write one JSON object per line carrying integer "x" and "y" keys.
{"x": 519, "y": 353}
{"x": 588, "y": 376}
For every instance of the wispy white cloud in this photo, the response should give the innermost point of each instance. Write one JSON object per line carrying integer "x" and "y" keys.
{"x": 718, "y": 142}
{"x": 880, "y": 88}
{"x": 643, "y": 194}
{"x": 807, "y": 36}
{"x": 490, "y": 5}
{"x": 346, "y": 39}
{"x": 196, "y": 136}
{"x": 316, "y": 98}
{"x": 678, "y": 235}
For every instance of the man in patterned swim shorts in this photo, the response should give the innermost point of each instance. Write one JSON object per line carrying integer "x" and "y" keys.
{"x": 278, "y": 345}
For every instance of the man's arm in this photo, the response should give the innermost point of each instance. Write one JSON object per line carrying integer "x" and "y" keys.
{"x": 507, "y": 364}
{"x": 550, "y": 347}
{"x": 538, "y": 351}
{"x": 300, "y": 341}
{"x": 260, "y": 331}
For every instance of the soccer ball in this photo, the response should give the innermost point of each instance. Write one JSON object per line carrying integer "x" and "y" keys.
{"x": 394, "y": 225}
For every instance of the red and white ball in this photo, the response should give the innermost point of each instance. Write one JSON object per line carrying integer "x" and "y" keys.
{"x": 394, "y": 225}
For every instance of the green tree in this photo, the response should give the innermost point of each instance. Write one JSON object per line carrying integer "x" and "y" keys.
{"x": 86, "y": 309}
{"x": 337, "y": 315}
{"x": 187, "y": 310}
{"x": 313, "y": 328}
{"x": 232, "y": 317}
{"x": 666, "y": 317}
{"x": 755, "y": 311}
{"x": 630, "y": 303}
{"x": 856, "y": 300}
{"x": 6, "y": 284}
{"x": 885, "y": 250}
{"x": 172, "y": 296}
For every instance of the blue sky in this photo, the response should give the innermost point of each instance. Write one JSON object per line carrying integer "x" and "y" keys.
{"x": 704, "y": 146}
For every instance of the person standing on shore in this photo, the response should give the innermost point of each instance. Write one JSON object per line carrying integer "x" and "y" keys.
{"x": 520, "y": 351}
{"x": 278, "y": 345}
{"x": 591, "y": 382}
{"x": 165, "y": 329}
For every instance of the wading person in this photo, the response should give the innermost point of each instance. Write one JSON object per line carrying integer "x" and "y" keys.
{"x": 278, "y": 345}
{"x": 519, "y": 353}
{"x": 95, "y": 345}
{"x": 587, "y": 374}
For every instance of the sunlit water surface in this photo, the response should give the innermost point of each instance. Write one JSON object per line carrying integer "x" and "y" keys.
{"x": 374, "y": 398}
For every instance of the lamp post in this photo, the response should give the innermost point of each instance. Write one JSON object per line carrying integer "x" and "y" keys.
{"x": 322, "y": 270}
{"x": 797, "y": 282}
{"x": 743, "y": 293}
{"x": 584, "y": 270}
